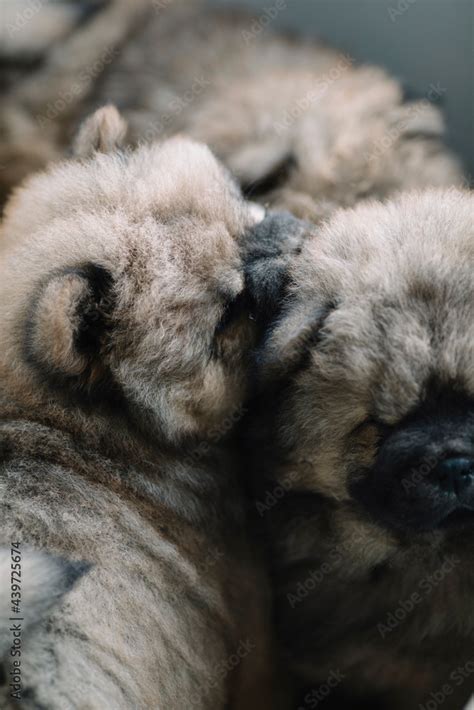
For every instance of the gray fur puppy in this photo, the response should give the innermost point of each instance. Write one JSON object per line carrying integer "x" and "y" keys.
{"x": 300, "y": 124}
{"x": 363, "y": 442}
{"x": 123, "y": 363}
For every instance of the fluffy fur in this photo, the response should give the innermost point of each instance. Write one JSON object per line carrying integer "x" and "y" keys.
{"x": 41, "y": 104}
{"x": 368, "y": 383}
{"x": 123, "y": 365}
{"x": 301, "y": 126}
{"x": 29, "y": 29}
{"x": 43, "y": 579}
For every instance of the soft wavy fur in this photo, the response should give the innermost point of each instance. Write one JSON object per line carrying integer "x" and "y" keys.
{"x": 369, "y": 363}
{"x": 300, "y": 124}
{"x": 123, "y": 366}
{"x": 43, "y": 579}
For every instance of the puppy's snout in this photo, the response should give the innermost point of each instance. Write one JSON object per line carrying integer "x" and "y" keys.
{"x": 454, "y": 476}
{"x": 270, "y": 248}
{"x": 423, "y": 475}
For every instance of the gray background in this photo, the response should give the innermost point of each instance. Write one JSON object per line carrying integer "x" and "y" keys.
{"x": 422, "y": 42}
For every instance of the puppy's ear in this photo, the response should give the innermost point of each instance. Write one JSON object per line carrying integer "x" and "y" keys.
{"x": 289, "y": 343}
{"x": 67, "y": 323}
{"x": 103, "y": 132}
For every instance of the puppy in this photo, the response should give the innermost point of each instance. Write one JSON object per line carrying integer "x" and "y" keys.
{"x": 300, "y": 124}
{"x": 125, "y": 338}
{"x": 302, "y": 127}
{"x": 363, "y": 443}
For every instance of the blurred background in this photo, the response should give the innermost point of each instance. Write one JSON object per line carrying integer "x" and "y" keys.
{"x": 424, "y": 43}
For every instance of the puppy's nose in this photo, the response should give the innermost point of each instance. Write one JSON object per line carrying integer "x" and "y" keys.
{"x": 454, "y": 475}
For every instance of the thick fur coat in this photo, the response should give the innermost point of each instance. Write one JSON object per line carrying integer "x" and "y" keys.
{"x": 124, "y": 348}
{"x": 363, "y": 443}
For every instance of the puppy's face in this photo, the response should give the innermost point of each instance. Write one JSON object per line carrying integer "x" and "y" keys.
{"x": 377, "y": 342}
{"x": 121, "y": 282}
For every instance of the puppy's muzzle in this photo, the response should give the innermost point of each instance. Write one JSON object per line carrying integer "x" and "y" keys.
{"x": 423, "y": 476}
{"x": 454, "y": 476}
{"x": 270, "y": 247}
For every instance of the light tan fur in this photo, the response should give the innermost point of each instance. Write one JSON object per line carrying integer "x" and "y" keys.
{"x": 301, "y": 125}
{"x": 121, "y": 373}
{"x": 37, "y": 581}
{"x": 28, "y": 29}
{"x": 40, "y": 111}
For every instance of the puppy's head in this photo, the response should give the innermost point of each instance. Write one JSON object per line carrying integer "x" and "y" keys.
{"x": 376, "y": 345}
{"x": 122, "y": 282}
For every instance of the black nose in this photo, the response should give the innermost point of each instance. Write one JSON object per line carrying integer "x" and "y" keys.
{"x": 454, "y": 475}
{"x": 423, "y": 475}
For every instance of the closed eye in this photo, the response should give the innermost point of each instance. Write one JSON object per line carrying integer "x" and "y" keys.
{"x": 233, "y": 310}
{"x": 370, "y": 421}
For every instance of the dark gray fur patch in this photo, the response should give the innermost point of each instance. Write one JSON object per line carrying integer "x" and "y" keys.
{"x": 270, "y": 248}
{"x": 73, "y": 571}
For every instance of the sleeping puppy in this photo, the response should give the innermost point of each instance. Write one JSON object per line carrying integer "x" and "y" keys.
{"x": 125, "y": 336}
{"x": 301, "y": 126}
{"x": 363, "y": 444}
